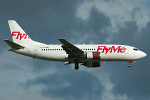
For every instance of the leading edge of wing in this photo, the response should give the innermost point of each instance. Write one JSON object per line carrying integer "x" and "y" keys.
{"x": 70, "y": 48}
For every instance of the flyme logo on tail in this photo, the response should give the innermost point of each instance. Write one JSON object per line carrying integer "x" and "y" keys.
{"x": 114, "y": 49}
{"x": 19, "y": 35}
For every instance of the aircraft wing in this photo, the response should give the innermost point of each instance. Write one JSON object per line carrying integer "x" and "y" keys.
{"x": 70, "y": 48}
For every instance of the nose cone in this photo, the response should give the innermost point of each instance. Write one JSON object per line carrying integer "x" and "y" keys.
{"x": 140, "y": 54}
{"x": 143, "y": 54}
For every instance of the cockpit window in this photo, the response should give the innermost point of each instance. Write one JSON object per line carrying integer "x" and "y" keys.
{"x": 135, "y": 49}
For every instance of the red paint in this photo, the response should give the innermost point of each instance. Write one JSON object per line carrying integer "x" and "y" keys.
{"x": 96, "y": 55}
{"x": 105, "y": 49}
{"x": 20, "y": 36}
{"x": 132, "y": 61}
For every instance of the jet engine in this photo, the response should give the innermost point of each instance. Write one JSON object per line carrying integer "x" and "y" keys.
{"x": 91, "y": 64}
{"x": 93, "y": 55}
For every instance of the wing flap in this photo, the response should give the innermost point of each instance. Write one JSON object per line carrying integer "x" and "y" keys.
{"x": 13, "y": 45}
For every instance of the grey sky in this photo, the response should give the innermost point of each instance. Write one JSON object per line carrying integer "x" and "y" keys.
{"x": 79, "y": 21}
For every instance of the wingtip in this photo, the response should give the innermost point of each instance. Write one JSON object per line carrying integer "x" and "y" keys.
{"x": 5, "y": 39}
{"x": 61, "y": 38}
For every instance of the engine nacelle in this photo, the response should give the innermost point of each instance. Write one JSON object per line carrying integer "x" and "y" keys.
{"x": 92, "y": 64}
{"x": 93, "y": 55}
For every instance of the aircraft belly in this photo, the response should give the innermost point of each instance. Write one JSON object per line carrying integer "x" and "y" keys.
{"x": 53, "y": 56}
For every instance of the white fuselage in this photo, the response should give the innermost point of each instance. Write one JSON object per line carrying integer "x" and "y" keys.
{"x": 107, "y": 52}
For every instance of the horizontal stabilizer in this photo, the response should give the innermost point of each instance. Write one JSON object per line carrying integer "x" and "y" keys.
{"x": 13, "y": 45}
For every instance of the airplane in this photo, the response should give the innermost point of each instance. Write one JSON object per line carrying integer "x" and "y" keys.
{"x": 87, "y": 55}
